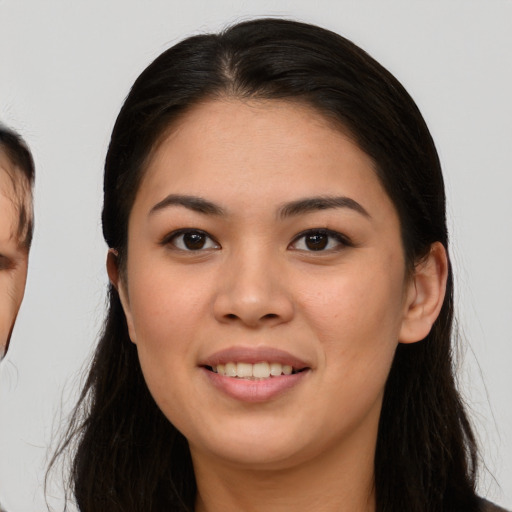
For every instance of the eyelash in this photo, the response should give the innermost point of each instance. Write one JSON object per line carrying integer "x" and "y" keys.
{"x": 175, "y": 235}
{"x": 340, "y": 240}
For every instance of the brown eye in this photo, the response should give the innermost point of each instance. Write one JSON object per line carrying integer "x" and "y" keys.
{"x": 317, "y": 240}
{"x": 192, "y": 240}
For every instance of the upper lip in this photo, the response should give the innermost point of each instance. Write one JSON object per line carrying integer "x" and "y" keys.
{"x": 253, "y": 355}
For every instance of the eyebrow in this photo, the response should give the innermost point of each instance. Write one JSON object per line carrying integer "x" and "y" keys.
{"x": 194, "y": 203}
{"x": 311, "y": 204}
{"x": 298, "y": 207}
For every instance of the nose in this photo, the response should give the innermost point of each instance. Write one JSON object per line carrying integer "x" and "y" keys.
{"x": 254, "y": 291}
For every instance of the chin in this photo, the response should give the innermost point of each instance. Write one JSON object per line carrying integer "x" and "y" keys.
{"x": 264, "y": 447}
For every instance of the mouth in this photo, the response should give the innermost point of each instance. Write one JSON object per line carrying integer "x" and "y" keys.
{"x": 257, "y": 371}
{"x": 255, "y": 374}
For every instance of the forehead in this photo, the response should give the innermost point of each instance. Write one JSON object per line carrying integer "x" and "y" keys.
{"x": 259, "y": 152}
{"x": 13, "y": 193}
{"x": 7, "y": 213}
{"x": 227, "y": 138}
{"x": 7, "y": 174}
{"x": 11, "y": 178}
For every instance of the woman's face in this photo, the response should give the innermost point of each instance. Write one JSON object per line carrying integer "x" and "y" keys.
{"x": 13, "y": 257}
{"x": 262, "y": 243}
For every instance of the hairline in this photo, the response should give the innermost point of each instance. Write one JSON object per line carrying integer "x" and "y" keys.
{"x": 21, "y": 196}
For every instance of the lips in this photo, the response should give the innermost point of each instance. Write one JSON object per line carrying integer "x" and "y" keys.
{"x": 254, "y": 355}
{"x": 254, "y": 374}
{"x": 261, "y": 370}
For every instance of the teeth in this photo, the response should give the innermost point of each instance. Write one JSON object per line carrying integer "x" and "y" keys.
{"x": 230, "y": 369}
{"x": 244, "y": 370}
{"x": 276, "y": 369}
{"x": 262, "y": 370}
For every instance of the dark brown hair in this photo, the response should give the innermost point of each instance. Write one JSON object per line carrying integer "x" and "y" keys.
{"x": 128, "y": 456}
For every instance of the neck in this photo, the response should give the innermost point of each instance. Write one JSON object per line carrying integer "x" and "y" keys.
{"x": 341, "y": 480}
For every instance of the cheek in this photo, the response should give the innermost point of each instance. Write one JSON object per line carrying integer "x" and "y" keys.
{"x": 356, "y": 315}
{"x": 10, "y": 300}
{"x": 6, "y": 319}
{"x": 168, "y": 308}
{"x": 165, "y": 311}
{"x": 356, "y": 322}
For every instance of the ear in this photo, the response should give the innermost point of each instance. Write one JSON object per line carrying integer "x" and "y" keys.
{"x": 119, "y": 284}
{"x": 424, "y": 295}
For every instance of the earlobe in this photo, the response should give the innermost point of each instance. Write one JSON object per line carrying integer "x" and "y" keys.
{"x": 425, "y": 295}
{"x": 118, "y": 283}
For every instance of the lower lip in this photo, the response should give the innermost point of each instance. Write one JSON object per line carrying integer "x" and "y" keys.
{"x": 261, "y": 390}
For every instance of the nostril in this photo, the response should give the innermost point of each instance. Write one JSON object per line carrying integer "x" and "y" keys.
{"x": 268, "y": 316}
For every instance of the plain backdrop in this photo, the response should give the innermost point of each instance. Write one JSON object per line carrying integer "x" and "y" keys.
{"x": 65, "y": 68}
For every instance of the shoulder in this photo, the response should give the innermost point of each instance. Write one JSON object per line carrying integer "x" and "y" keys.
{"x": 487, "y": 506}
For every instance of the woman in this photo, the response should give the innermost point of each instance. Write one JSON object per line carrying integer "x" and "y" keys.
{"x": 279, "y": 326}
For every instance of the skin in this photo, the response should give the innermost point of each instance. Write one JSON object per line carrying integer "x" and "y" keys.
{"x": 256, "y": 283}
{"x": 13, "y": 256}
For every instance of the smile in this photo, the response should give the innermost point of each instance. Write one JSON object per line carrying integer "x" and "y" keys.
{"x": 254, "y": 374}
{"x": 260, "y": 370}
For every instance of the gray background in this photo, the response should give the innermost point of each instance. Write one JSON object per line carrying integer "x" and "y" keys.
{"x": 65, "y": 67}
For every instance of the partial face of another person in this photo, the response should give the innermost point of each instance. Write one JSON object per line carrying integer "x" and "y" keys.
{"x": 13, "y": 254}
{"x": 265, "y": 284}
